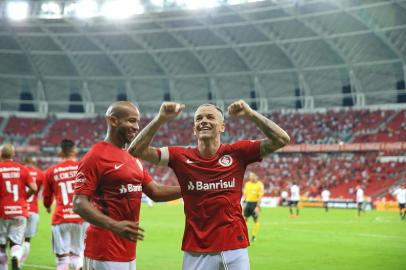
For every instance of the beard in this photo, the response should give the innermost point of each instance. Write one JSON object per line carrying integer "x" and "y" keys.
{"x": 125, "y": 136}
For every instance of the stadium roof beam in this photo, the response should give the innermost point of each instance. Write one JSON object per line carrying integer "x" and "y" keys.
{"x": 271, "y": 36}
{"x": 370, "y": 23}
{"x": 103, "y": 48}
{"x": 68, "y": 54}
{"x": 236, "y": 50}
{"x": 154, "y": 19}
{"x": 159, "y": 61}
{"x": 197, "y": 48}
{"x": 25, "y": 51}
{"x": 202, "y": 75}
{"x": 187, "y": 15}
{"x": 319, "y": 31}
{"x": 204, "y": 63}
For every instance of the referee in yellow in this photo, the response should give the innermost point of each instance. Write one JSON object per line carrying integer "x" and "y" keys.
{"x": 253, "y": 192}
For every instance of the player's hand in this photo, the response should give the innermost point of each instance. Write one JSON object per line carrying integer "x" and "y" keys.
{"x": 129, "y": 230}
{"x": 257, "y": 209}
{"x": 170, "y": 110}
{"x": 239, "y": 108}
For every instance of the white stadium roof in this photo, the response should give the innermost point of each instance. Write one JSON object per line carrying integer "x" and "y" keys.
{"x": 263, "y": 50}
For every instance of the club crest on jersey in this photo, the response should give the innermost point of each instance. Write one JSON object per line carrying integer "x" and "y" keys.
{"x": 226, "y": 161}
{"x": 80, "y": 180}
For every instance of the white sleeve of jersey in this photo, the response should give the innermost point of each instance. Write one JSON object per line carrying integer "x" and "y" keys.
{"x": 164, "y": 156}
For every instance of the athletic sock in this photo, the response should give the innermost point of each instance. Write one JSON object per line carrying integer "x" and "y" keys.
{"x": 26, "y": 252}
{"x": 76, "y": 262}
{"x": 3, "y": 261}
{"x": 255, "y": 229}
{"x": 62, "y": 263}
{"x": 17, "y": 252}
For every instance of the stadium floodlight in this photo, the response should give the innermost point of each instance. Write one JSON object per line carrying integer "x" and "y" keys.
{"x": 51, "y": 10}
{"x": 121, "y": 9}
{"x": 17, "y": 11}
{"x": 198, "y": 4}
{"x": 236, "y": 2}
{"x": 83, "y": 9}
{"x": 158, "y": 3}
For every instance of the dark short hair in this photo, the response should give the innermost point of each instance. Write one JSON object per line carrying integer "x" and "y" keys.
{"x": 67, "y": 146}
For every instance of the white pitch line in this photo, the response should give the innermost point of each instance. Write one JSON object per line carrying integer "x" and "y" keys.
{"x": 38, "y": 266}
{"x": 394, "y": 237}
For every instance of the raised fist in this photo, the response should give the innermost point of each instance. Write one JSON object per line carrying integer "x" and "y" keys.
{"x": 170, "y": 110}
{"x": 239, "y": 108}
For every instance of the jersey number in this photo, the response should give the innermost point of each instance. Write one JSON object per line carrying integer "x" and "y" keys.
{"x": 66, "y": 189}
{"x": 13, "y": 189}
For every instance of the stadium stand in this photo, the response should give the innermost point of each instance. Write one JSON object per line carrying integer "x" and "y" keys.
{"x": 340, "y": 172}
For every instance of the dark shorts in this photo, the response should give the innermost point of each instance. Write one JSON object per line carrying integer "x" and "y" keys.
{"x": 293, "y": 203}
{"x": 402, "y": 205}
{"x": 249, "y": 210}
{"x": 360, "y": 204}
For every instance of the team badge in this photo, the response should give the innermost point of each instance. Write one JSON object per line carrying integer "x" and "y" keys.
{"x": 226, "y": 161}
{"x": 80, "y": 180}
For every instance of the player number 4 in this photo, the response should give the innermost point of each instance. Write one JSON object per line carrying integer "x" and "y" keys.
{"x": 13, "y": 189}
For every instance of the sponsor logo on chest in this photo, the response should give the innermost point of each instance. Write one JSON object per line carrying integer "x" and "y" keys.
{"x": 216, "y": 185}
{"x": 129, "y": 188}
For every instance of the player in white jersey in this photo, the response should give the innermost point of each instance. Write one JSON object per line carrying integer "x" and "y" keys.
{"x": 359, "y": 197}
{"x": 400, "y": 194}
{"x": 284, "y": 197}
{"x": 325, "y": 197}
{"x": 294, "y": 199}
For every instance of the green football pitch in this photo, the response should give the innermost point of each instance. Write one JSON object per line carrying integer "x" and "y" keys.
{"x": 316, "y": 240}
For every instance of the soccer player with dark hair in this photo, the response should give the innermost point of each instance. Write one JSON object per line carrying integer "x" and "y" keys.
{"x": 211, "y": 178}
{"x": 31, "y": 229}
{"x": 14, "y": 178}
{"x": 252, "y": 195}
{"x": 294, "y": 199}
{"x": 400, "y": 194}
{"x": 359, "y": 199}
{"x": 325, "y": 197}
{"x": 67, "y": 227}
{"x": 108, "y": 192}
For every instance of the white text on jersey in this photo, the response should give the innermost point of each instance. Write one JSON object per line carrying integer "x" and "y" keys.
{"x": 130, "y": 188}
{"x": 221, "y": 184}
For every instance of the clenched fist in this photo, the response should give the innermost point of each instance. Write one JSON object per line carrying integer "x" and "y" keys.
{"x": 170, "y": 110}
{"x": 239, "y": 108}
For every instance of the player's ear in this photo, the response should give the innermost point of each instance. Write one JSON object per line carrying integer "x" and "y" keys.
{"x": 113, "y": 121}
{"x": 194, "y": 130}
{"x": 222, "y": 127}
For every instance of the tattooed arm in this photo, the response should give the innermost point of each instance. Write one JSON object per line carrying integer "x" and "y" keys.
{"x": 276, "y": 136}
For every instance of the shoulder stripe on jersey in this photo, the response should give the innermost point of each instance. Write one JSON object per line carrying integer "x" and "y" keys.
{"x": 164, "y": 156}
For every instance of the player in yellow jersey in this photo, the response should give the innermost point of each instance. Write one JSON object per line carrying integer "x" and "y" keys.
{"x": 253, "y": 192}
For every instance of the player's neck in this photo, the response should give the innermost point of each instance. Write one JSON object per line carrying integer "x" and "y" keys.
{"x": 72, "y": 158}
{"x": 208, "y": 148}
{"x": 115, "y": 141}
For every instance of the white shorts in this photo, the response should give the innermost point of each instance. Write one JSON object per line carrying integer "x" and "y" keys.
{"x": 68, "y": 238}
{"x": 89, "y": 264}
{"x": 236, "y": 259}
{"x": 32, "y": 225}
{"x": 12, "y": 229}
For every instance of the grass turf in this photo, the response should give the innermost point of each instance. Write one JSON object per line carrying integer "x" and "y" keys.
{"x": 316, "y": 240}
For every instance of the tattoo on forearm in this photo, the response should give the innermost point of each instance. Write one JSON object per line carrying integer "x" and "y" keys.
{"x": 277, "y": 137}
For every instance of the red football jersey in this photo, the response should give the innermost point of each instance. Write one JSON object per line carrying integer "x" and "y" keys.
{"x": 59, "y": 182}
{"x": 212, "y": 190}
{"x": 13, "y": 196}
{"x": 38, "y": 177}
{"x": 113, "y": 179}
